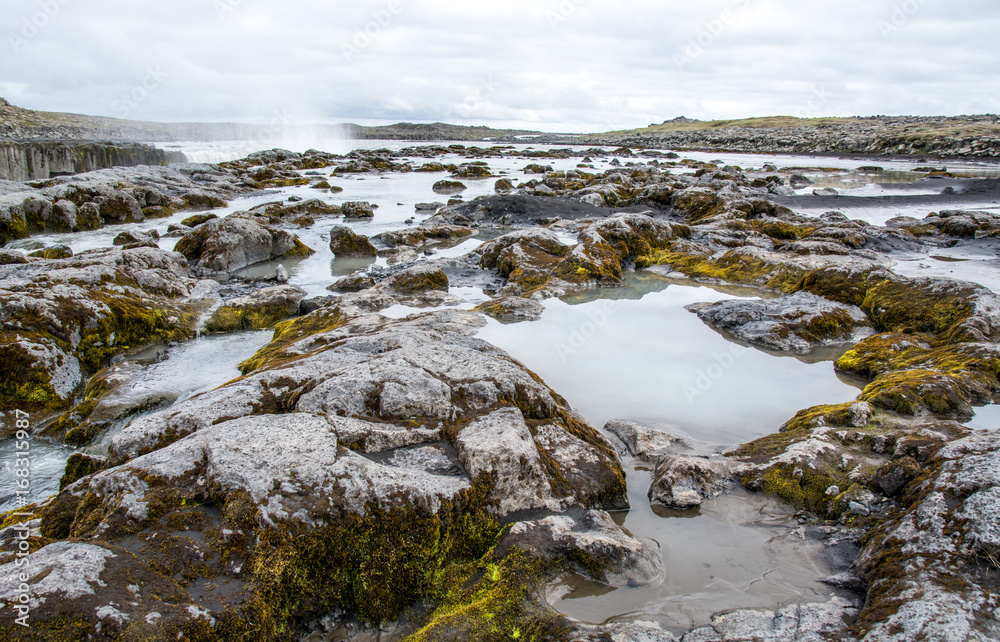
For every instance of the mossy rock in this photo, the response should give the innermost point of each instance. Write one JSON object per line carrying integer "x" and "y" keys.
{"x": 299, "y": 251}
{"x": 258, "y": 311}
{"x": 79, "y": 466}
{"x": 289, "y": 332}
{"x": 55, "y": 252}
{"x": 344, "y": 242}
{"x": 419, "y": 279}
{"x": 449, "y": 187}
{"x": 494, "y": 599}
{"x": 910, "y": 391}
{"x": 26, "y": 385}
{"x": 202, "y": 201}
{"x": 697, "y": 205}
{"x": 355, "y": 283}
{"x": 198, "y": 219}
{"x": 158, "y": 211}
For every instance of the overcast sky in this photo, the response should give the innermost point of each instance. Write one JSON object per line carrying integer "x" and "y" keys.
{"x": 555, "y": 65}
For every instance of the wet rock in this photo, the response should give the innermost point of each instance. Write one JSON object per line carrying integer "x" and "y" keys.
{"x": 799, "y": 622}
{"x": 419, "y": 278}
{"x": 645, "y": 442}
{"x": 797, "y": 323}
{"x": 63, "y": 217}
{"x": 347, "y": 435}
{"x": 114, "y": 393}
{"x": 413, "y": 375}
{"x": 418, "y": 237}
{"x": 449, "y": 187}
{"x": 798, "y": 181}
{"x": 236, "y": 241}
{"x": 921, "y": 584}
{"x": 620, "y": 558}
{"x": 429, "y": 207}
{"x": 512, "y": 309}
{"x": 344, "y": 242}
{"x": 120, "y": 208}
{"x": 501, "y": 443}
{"x": 357, "y": 209}
{"x": 503, "y": 185}
{"x": 198, "y": 219}
{"x": 476, "y": 169}
{"x": 54, "y": 252}
{"x": 12, "y": 257}
{"x": 684, "y": 481}
{"x": 895, "y": 475}
{"x": 145, "y": 237}
{"x": 353, "y": 284}
{"x": 536, "y": 261}
{"x": 257, "y": 311}
{"x": 281, "y": 274}
{"x": 523, "y": 210}
{"x": 298, "y": 211}
{"x": 826, "y": 191}
{"x": 64, "y": 317}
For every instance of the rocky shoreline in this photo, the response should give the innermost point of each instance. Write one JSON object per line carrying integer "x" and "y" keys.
{"x": 405, "y": 473}
{"x": 882, "y": 136}
{"x": 957, "y": 137}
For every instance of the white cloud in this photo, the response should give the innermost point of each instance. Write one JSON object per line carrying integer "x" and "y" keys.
{"x": 558, "y": 65}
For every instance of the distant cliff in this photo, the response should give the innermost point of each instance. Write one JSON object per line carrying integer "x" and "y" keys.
{"x": 38, "y": 160}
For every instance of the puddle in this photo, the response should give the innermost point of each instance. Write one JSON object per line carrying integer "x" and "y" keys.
{"x": 647, "y": 358}
{"x": 737, "y": 551}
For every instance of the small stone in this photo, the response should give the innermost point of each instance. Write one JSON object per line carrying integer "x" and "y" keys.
{"x": 833, "y": 491}
{"x": 281, "y": 274}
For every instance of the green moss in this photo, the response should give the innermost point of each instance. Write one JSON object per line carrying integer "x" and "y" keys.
{"x": 14, "y": 228}
{"x": 902, "y": 304}
{"x": 780, "y": 230}
{"x": 374, "y": 565}
{"x": 235, "y": 319}
{"x": 801, "y": 486}
{"x": 299, "y": 251}
{"x": 698, "y": 206}
{"x": 158, "y": 211}
{"x": 56, "y": 252}
{"x": 24, "y": 384}
{"x": 912, "y": 372}
{"x": 825, "y": 415}
{"x": 732, "y": 267}
{"x": 79, "y": 466}
{"x": 289, "y": 332}
{"x": 128, "y": 326}
{"x": 836, "y": 324}
{"x": 878, "y": 354}
{"x": 908, "y": 391}
{"x": 493, "y": 600}
{"x": 198, "y": 219}
{"x": 18, "y": 516}
{"x": 420, "y": 281}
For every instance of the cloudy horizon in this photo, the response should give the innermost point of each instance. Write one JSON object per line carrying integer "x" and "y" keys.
{"x": 550, "y": 65}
